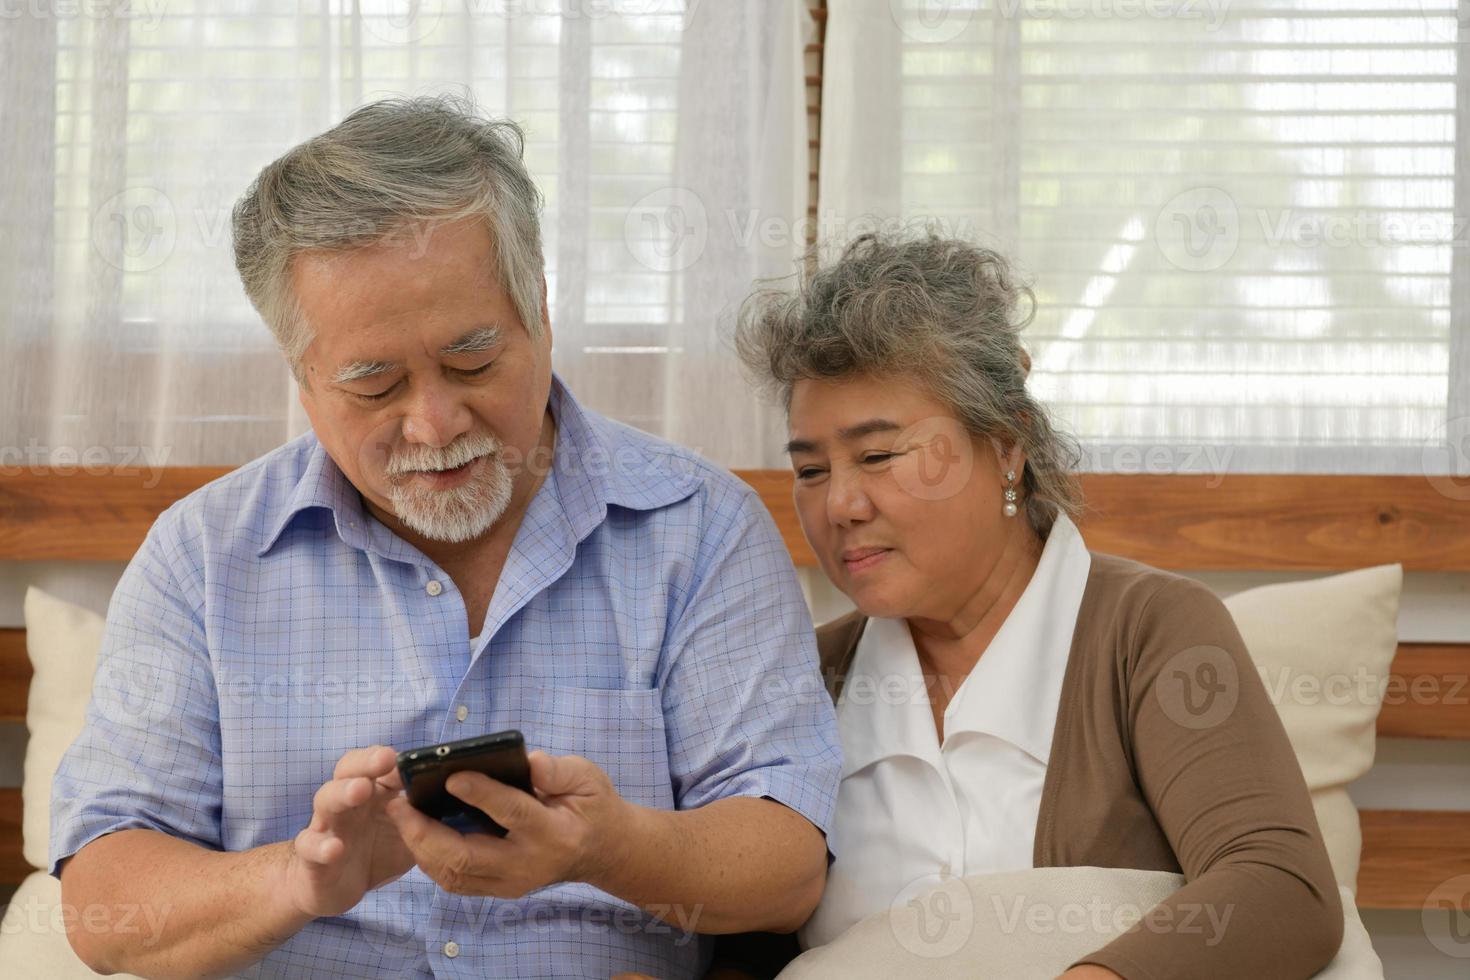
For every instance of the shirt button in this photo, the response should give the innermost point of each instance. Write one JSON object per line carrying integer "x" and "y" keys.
{"x": 461, "y": 712}
{"x": 434, "y": 587}
{"x": 451, "y": 949}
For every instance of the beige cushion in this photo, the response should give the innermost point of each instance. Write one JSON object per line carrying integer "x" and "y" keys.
{"x": 63, "y": 640}
{"x": 1323, "y": 648}
{"x": 33, "y": 939}
{"x": 1021, "y": 925}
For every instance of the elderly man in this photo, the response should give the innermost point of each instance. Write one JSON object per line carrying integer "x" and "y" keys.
{"x": 456, "y": 548}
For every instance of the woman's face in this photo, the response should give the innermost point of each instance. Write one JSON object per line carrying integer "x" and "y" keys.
{"x": 901, "y": 504}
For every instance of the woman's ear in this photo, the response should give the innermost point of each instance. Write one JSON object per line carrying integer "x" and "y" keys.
{"x": 1010, "y": 459}
{"x": 1015, "y": 462}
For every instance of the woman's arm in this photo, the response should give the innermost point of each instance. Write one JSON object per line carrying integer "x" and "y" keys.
{"x": 1213, "y": 760}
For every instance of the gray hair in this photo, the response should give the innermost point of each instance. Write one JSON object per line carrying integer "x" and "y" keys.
{"x": 388, "y": 165}
{"x": 938, "y": 310}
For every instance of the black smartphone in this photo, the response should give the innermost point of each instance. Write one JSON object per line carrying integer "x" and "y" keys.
{"x": 501, "y": 756}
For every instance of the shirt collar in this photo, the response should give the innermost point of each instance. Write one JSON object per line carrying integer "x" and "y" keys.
{"x": 600, "y": 462}
{"x": 1012, "y": 693}
{"x": 322, "y": 485}
{"x": 884, "y": 710}
{"x": 1015, "y": 689}
{"x": 597, "y": 463}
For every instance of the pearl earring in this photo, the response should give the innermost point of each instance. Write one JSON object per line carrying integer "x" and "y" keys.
{"x": 1010, "y": 506}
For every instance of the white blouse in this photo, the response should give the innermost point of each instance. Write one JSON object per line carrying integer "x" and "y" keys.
{"x": 910, "y": 810}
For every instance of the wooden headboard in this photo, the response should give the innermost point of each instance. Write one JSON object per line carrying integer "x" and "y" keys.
{"x": 1190, "y": 523}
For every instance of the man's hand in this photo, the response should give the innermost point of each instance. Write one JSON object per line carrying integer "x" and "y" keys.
{"x": 570, "y": 830}
{"x": 351, "y": 846}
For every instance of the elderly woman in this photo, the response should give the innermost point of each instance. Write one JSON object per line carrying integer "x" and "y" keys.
{"x": 1024, "y": 702}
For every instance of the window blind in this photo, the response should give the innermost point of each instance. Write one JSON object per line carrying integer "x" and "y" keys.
{"x": 1239, "y": 219}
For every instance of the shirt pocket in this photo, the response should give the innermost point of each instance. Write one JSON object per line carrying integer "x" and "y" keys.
{"x": 620, "y": 730}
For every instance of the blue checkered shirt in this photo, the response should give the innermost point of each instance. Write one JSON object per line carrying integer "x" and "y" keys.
{"x": 647, "y": 618}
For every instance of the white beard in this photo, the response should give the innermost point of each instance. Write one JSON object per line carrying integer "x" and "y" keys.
{"x": 459, "y": 513}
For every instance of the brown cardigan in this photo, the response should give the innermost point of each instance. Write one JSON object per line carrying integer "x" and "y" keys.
{"x": 1149, "y": 771}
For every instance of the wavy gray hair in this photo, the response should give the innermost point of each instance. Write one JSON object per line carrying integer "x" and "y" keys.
{"x": 939, "y": 310}
{"x": 388, "y": 165}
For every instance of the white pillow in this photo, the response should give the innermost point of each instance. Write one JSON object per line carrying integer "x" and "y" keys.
{"x": 33, "y": 939}
{"x": 62, "y": 640}
{"x": 1022, "y": 925}
{"x": 1323, "y": 648}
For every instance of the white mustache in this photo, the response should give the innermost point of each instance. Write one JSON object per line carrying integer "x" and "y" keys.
{"x": 453, "y": 456}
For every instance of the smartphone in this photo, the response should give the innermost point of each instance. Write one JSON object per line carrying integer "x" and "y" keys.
{"x": 501, "y": 756}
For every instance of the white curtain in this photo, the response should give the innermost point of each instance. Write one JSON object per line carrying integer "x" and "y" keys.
{"x": 1244, "y": 224}
{"x": 661, "y": 131}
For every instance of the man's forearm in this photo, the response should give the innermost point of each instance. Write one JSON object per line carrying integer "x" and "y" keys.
{"x": 203, "y": 913}
{"x": 736, "y": 865}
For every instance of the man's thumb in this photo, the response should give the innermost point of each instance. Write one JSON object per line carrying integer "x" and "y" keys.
{"x": 558, "y": 775}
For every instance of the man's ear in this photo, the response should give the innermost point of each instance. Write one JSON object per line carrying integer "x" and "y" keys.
{"x": 545, "y": 310}
{"x": 302, "y": 373}
{"x": 1025, "y": 364}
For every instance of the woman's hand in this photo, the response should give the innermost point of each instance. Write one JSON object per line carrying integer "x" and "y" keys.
{"x": 1089, "y": 971}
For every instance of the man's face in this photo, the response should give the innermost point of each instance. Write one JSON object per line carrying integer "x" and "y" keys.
{"x": 421, "y": 381}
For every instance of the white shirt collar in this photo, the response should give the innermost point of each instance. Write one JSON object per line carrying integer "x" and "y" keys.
{"x": 1012, "y": 693}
